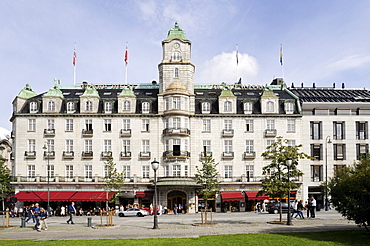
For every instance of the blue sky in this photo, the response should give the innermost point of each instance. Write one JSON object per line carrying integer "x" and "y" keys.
{"x": 324, "y": 42}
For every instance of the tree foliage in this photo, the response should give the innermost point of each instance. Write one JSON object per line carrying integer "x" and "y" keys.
{"x": 276, "y": 183}
{"x": 5, "y": 177}
{"x": 114, "y": 179}
{"x": 350, "y": 192}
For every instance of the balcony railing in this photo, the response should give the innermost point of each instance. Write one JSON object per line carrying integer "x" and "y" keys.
{"x": 249, "y": 155}
{"x": 68, "y": 154}
{"x": 175, "y": 131}
{"x": 49, "y": 154}
{"x": 125, "y": 133}
{"x": 49, "y": 132}
{"x": 106, "y": 154}
{"x": 175, "y": 154}
{"x": 227, "y": 155}
{"x": 228, "y": 133}
{"x": 87, "y": 154}
{"x": 145, "y": 155}
{"x": 206, "y": 154}
{"x": 87, "y": 133}
{"x": 270, "y": 133}
{"x": 125, "y": 154}
{"x": 30, "y": 154}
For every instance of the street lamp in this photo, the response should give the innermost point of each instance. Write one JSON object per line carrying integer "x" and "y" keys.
{"x": 288, "y": 162}
{"x": 327, "y": 141}
{"x": 155, "y": 166}
{"x": 47, "y": 148}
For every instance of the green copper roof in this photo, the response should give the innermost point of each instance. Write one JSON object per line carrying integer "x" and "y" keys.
{"x": 27, "y": 92}
{"x": 127, "y": 92}
{"x": 90, "y": 92}
{"x": 267, "y": 92}
{"x": 176, "y": 32}
{"x": 54, "y": 92}
{"x": 226, "y": 92}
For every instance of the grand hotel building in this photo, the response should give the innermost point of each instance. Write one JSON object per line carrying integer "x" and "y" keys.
{"x": 174, "y": 120}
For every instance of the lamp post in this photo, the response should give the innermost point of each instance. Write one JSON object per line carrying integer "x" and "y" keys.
{"x": 327, "y": 141}
{"x": 155, "y": 166}
{"x": 47, "y": 148}
{"x": 288, "y": 162}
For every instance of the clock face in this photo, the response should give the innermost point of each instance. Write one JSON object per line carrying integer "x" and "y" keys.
{"x": 176, "y": 46}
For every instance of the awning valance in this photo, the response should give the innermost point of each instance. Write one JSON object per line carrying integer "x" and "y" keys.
{"x": 144, "y": 194}
{"x": 232, "y": 196}
{"x": 89, "y": 196}
{"x": 28, "y": 196}
{"x": 252, "y": 195}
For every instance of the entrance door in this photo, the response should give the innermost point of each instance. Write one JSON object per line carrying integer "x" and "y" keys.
{"x": 174, "y": 198}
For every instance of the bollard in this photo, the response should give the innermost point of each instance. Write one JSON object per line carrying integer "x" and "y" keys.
{"x": 23, "y": 222}
{"x": 88, "y": 221}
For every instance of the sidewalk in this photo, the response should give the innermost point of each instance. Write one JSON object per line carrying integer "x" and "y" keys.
{"x": 175, "y": 226}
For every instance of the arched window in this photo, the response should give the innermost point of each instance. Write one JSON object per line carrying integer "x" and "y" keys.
{"x": 33, "y": 107}
{"x": 270, "y": 107}
{"x": 176, "y": 56}
{"x": 51, "y": 106}
{"x": 206, "y": 107}
{"x": 89, "y": 106}
{"x": 145, "y": 107}
{"x": 70, "y": 107}
{"x": 227, "y": 106}
{"x": 126, "y": 106}
{"x": 176, "y": 72}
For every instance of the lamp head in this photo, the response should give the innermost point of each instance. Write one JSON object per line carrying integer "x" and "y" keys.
{"x": 155, "y": 165}
{"x": 288, "y": 161}
{"x": 329, "y": 140}
{"x": 45, "y": 147}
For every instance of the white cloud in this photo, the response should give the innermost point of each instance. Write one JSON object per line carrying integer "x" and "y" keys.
{"x": 350, "y": 62}
{"x": 223, "y": 68}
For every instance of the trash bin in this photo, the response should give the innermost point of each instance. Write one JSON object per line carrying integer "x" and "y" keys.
{"x": 88, "y": 221}
{"x": 23, "y": 222}
{"x": 318, "y": 207}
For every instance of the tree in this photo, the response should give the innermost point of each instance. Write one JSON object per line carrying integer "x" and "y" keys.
{"x": 206, "y": 176}
{"x": 5, "y": 186}
{"x": 113, "y": 181}
{"x": 277, "y": 184}
{"x": 350, "y": 192}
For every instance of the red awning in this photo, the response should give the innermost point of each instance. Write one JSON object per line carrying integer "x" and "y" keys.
{"x": 28, "y": 196}
{"x": 232, "y": 196}
{"x": 88, "y": 196}
{"x": 252, "y": 195}
{"x": 57, "y": 196}
{"x": 144, "y": 194}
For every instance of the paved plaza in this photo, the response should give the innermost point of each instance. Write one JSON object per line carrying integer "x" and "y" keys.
{"x": 170, "y": 225}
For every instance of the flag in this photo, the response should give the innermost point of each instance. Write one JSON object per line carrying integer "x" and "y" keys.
{"x": 281, "y": 54}
{"x": 237, "y": 55}
{"x": 74, "y": 56}
{"x": 126, "y": 56}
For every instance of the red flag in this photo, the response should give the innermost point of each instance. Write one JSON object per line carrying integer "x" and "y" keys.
{"x": 74, "y": 56}
{"x": 126, "y": 56}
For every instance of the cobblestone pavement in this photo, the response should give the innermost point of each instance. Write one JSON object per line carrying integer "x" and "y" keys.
{"x": 184, "y": 225}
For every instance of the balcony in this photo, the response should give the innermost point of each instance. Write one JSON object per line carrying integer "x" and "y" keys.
{"x": 145, "y": 155}
{"x": 49, "y": 132}
{"x": 228, "y": 155}
{"x": 228, "y": 133}
{"x": 87, "y": 133}
{"x": 176, "y": 154}
{"x": 249, "y": 155}
{"x": 270, "y": 133}
{"x": 125, "y": 133}
{"x": 125, "y": 154}
{"x": 203, "y": 155}
{"x": 30, "y": 154}
{"x": 68, "y": 154}
{"x": 87, "y": 154}
{"x": 176, "y": 131}
{"x": 49, "y": 154}
{"x": 106, "y": 154}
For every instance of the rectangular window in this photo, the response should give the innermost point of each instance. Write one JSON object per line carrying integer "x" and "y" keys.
{"x": 316, "y": 130}
{"x": 186, "y": 173}
{"x": 228, "y": 125}
{"x": 126, "y": 171}
{"x": 316, "y": 173}
{"x": 207, "y": 125}
{"x": 228, "y": 172}
{"x": 316, "y": 151}
{"x": 69, "y": 171}
{"x": 88, "y": 124}
{"x": 126, "y": 124}
{"x": 361, "y": 130}
{"x": 31, "y": 145}
{"x": 69, "y": 145}
{"x": 268, "y": 143}
{"x": 145, "y": 146}
{"x": 70, "y": 107}
{"x": 362, "y": 150}
{"x": 228, "y": 146}
{"x": 107, "y": 145}
{"x": 88, "y": 145}
{"x": 291, "y": 125}
{"x": 176, "y": 170}
{"x": 50, "y": 169}
{"x": 108, "y": 107}
{"x": 270, "y": 125}
{"x": 89, "y": 106}
{"x": 338, "y": 128}
{"x": 339, "y": 151}
{"x": 167, "y": 171}
{"x": 88, "y": 171}
{"x": 69, "y": 125}
{"x": 126, "y": 146}
{"x": 145, "y": 170}
{"x": 291, "y": 143}
{"x": 206, "y": 146}
{"x": 176, "y": 123}
{"x": 50, "y": 145}
{"x": 176, "y": 103}
{"x": 338, "y": 168}
{"x": 145, "y": 125}
{"x": 32, "y": 125}
{"x": 249, "y": 146}
{"x": 249, "y": 125}
{"x": 31, "y": 171}
{"x": 106, "y": 171}
{"x": 249, "y": 172}
{"x": 107, "y": 125}
{"x": 51, "y": 124}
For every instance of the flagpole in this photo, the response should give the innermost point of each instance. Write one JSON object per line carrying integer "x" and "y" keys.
{"x": 126, "y": 61}
{"x": 281, "y": 61}
{"x": 237, "y": 62}
{"x": 74, "y": 64}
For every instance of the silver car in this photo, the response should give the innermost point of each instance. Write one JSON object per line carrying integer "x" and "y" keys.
{"x": 133, "y": 212}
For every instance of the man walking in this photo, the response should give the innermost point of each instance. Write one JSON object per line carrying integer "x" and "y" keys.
{"x": 313, "y": 207}
{"x": 30, "y": 211}
{"x": 36, "y": 214}
{"x": 71, "y": 211}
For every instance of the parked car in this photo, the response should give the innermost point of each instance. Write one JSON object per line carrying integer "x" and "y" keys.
{"x": 133, "y": 212}
{"x": 273, "y": 208}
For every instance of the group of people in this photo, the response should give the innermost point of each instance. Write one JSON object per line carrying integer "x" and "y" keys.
{"x": 298, "y": 208}
{"x": 39, "y": 216}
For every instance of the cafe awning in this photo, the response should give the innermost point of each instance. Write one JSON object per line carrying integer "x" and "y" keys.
{"x": 89, "y": 196}
{"x": 252, "y": 195}
{"x": 61, "y": 196}
{"x": 232, "y": 196}
{"x": 144, "y": 194}
{"x": 28, "y": 196}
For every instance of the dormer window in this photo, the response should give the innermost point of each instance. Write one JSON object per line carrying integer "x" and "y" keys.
{"x": 108, "y": 107}
{"x": 70, "y": 107}
{"x": 206, "y": 107}
{"x": 33, "y": 107}
{"x": 126, "y": 106}
{"x": 51, "y": 106}
{"x": 176, "y": 56}
{"x": 227, "y": 106}
{"x": 176, "y": 75}
{"x": 270, "y": 106}
{"x": 289, "y": 108}
{"x": 145, "y": 107}
{"x": 248, "y": 107}
{"x": 89, "y": 106}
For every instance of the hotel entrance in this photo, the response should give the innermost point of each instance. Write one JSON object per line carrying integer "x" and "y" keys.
{"x": 174, "y": 198}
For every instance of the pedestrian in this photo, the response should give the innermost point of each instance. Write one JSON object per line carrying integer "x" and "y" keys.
{"x": 63, "y": 211}
{"x": 30, "y": 211}
{"x": 313, "y": 207}
{"x": 36, "y": 215}
{"x": 308, "y": 207}
{"x": 179, "y": 209}
{"x": 299, "y": 210}
{"x": 175, "y": 209}
{"x": 294, "y": 207}
{"x": 43, "y": 217}
{"x": 71, "y": 212}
